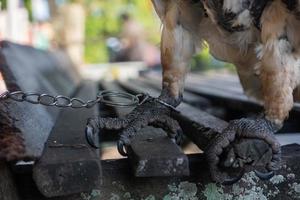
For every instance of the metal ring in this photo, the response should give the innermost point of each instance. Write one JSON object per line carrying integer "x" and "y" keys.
{"x": 145, "y": 96}
{"x": 46, "y": 104}
{"x": 14, "y": 95}
{"x": 91, "y": 103}
{"x": 26, "y": 98}
{"x": 134, "y": 100}
{"x": 67, "y": 99}
{"x": 167, "y": 105}
{"x": 80, "y": 101}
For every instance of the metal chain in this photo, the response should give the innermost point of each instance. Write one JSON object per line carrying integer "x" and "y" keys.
{"x": 67, "y": 102}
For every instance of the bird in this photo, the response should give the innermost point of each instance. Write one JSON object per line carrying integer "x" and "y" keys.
{"x": 260, "y": 37}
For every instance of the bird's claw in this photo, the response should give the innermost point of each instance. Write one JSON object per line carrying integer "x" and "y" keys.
{"x": 92, "y": 136}
{"x": 151, "y": 113}
{"x": 122, "y": 147}
{"x": 264, "y": 176}
{"x": 245, "y": 143}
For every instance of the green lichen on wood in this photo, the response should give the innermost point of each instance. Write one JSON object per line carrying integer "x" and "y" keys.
{"x": 184, "y": 191}
{"x": 150, "y": 197}
{"x": 94, "y": 195}
{"x": 213, "y": 192}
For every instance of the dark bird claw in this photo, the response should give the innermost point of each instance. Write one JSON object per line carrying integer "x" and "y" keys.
{"x": 92, "y": 136}
{"x": 245, "y": 143}
{"x": 264, "y": 176}
{"x": 233, "y": 180}
{"x": 151, "y": 113}
{"x": 122, "y": 148}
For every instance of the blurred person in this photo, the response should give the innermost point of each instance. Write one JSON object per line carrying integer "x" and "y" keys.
{"x": 133, "y": 45}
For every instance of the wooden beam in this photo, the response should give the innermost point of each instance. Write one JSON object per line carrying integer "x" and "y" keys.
{"x": 151, "y": 153}
{"x": 31, "y": 70}
{"x": 8, "y": 190}
{"x": 118, "y": 183}
{"x": 68, "y": 164}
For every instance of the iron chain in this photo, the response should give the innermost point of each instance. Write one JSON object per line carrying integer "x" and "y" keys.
{"x": 67, "y": 102}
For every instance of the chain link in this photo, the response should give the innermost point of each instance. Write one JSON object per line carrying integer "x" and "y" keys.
{"x": 104, "y": 97}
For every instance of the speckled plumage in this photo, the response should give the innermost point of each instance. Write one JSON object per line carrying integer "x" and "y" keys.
{"x": 260, "y": 37}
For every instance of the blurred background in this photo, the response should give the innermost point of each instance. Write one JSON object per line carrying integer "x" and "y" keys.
{"x": 92, "y": 32}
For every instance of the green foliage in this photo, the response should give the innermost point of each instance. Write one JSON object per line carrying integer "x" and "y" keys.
{"x": 103, "y": 21}
{"x": 27, "y": 4}
{"x": 3, "y": 4}
{"x": 205, "y": 61}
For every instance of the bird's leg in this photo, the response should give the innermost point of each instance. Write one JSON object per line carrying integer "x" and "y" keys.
{"x": 177, "y": 48}
{"x": 226, "y": 152}
{"x": 278, "y": 75}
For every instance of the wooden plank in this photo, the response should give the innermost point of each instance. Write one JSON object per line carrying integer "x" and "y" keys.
{"x": 143, "y": 153}
{"x": 8, "y": 189}
{"x": 288, "y": 138}
{"x": 153, "y": 154}
{"x": 218, "y": 96}
{"x": 230, "y": 83}
{"x": 118, "y": 183}
{"x": 68, "y": 164}
{"x": 213, "y": 89}
{"x": 236, "y": 104}
{"x": 28, "y": 69}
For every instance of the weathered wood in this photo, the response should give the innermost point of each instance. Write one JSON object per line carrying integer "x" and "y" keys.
{"x": 28, "y": 69}
{"x": 8, "y": 190}
{"x": 118, "y": 183}
{"x": 68, "y": 164}
{"x": 231, "y": 99}
{"x": 218, "y": 96}
{"x": 285, "y": 185}
{"x": 155, "y": 157}
{"x": 153, "y": 154}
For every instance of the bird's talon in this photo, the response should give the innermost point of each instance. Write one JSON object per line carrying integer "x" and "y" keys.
{"x": 179, "y": 138}
{"x": 254, "y": 145}
{"x": 122, "y": 149}
{"x": 92, "y": 136}
{"x": 264, "y": 176}
{"x": 233, "y": 180}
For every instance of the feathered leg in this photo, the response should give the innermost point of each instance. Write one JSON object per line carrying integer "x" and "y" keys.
{"x": 279, "y": 76}
{"x": 177, "y": 48}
